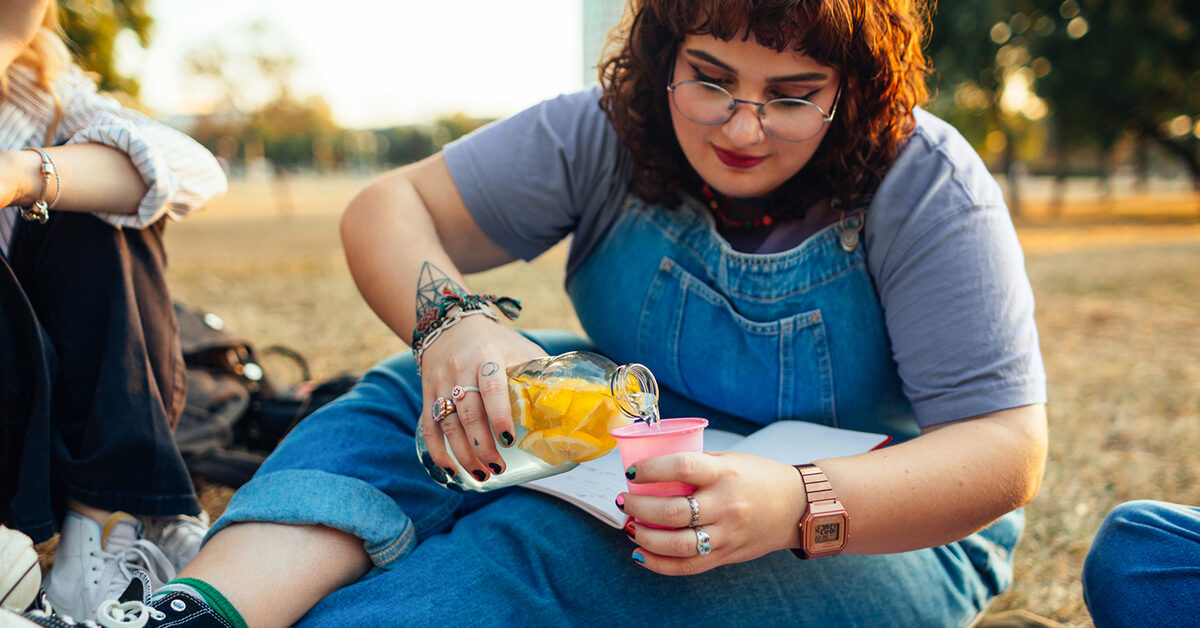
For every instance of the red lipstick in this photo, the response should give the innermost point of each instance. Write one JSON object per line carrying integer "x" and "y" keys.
{"x": 737, "y": 160}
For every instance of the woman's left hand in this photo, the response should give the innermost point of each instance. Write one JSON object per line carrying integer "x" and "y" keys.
{"x": 748, "y": 506}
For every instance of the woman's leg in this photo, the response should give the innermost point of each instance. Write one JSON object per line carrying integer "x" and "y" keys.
{"x": 343, "y": 494}
{"x": 101, "y": 295}
{"x": 528, "y": 559}
{"x": 1143, "y": 568}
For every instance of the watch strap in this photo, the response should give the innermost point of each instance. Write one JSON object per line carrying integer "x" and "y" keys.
{"x": 818, "y": 490}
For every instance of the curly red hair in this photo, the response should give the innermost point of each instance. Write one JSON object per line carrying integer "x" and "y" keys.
{"x": 875, "y": 44}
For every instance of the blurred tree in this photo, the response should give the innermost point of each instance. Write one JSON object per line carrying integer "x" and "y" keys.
{"x": 449, "y": 128}
{"x": 289, "y": 129}
{"x": 983, "y": 82}
{"x": 406, "y": 144}
{"x": 1124, "y": 68}
{"x": 92, "y": 28}
{"x": 251, "y": 76}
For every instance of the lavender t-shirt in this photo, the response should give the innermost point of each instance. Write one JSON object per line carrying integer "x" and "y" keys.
{"x": 941, "y": 247}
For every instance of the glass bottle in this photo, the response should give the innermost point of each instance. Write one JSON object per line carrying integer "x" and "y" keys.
{"x": 563, "y": 407}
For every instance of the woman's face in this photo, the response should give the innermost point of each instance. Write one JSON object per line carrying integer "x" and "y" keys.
{"x": 738, "y": 158}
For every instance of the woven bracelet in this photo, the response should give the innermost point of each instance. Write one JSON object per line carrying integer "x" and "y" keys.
{"x": 452, "y": 309}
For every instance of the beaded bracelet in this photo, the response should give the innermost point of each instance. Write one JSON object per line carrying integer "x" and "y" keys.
{"x": 451, "y": 310}
{"x": 39, "y": 211}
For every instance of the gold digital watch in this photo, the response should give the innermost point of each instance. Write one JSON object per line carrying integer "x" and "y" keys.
{"x": 824, "y": 526}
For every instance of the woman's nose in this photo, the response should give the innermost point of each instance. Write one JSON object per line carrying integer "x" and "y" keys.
{"x": 744, "y": 129}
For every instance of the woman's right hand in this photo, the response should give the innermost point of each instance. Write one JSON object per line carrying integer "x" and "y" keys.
{"x": 475, "y": 352}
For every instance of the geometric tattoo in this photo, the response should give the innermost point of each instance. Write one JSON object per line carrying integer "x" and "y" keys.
{"x": 431, "y": 286}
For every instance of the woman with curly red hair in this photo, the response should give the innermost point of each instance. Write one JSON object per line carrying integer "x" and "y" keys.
{"x": 761, "y": 213}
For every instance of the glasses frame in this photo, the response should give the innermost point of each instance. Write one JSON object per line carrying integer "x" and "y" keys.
{"x": 759, "y": 107}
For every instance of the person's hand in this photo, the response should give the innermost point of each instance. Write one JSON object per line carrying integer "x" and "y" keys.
{"x": 749, "y": 506}
{"x": 475, "y": 353}
{"x": 19, "y": 24}
{"x": 20, "y": 174}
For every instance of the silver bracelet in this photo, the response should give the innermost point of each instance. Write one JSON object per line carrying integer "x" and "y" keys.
{"x": 39, "y": 211}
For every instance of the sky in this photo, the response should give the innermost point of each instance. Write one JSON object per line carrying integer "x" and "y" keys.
{"x": 376, "y": 62}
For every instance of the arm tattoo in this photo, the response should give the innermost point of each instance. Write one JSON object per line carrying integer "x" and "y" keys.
{"x": 431, "y": 284}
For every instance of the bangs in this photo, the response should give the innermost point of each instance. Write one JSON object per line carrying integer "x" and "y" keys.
{"x": 819, "y": 29}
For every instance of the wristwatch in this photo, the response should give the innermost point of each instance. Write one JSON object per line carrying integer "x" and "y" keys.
{"x": 824, "y": 526}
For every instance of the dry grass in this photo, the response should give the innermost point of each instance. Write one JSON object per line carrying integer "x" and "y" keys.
{"x": 1116, "y": 285}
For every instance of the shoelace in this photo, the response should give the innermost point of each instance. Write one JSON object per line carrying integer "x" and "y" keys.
{"x": 110, "y": 614}
{"x": 114, "y": 614}
{"x": 139, "y": 555}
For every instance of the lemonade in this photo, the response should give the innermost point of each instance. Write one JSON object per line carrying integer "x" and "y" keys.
{"x": 563, "y": 408}
{"x": 568, "y": 421}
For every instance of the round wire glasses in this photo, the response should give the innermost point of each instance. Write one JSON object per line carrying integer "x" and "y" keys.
{"x": 787, "y": 119}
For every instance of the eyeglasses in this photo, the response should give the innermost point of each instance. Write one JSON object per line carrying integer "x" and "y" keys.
{"x": 787, "y": 119}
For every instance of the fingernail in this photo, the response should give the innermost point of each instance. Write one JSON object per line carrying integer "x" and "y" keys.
{"x": 506, "y": 439}
{"x": 621, "y": 502}
{"x": 495, "y": 468}
{"x": 479, "y": 475}
{"x": 630, "y": 530}
{"x": 631, "y": 472}
{"x": 638, "y": 558}
{"x": 450, "y": 472}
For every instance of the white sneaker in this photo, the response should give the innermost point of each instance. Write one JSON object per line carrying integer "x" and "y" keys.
{"x": 94, "y": 564}
{"x": 20, "y": 571}
{"x": 179, "y": 537}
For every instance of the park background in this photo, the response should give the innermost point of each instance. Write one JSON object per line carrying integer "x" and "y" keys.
{"x": 1087, "y": 111}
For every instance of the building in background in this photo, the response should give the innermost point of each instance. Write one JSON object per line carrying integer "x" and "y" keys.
{"x": 599, "y": 16}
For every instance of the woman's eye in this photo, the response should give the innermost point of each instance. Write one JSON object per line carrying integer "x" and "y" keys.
{"x": 700, "y": 76}
{"x": 794, "y": 96}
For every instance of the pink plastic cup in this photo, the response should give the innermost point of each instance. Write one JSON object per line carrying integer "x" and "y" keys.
{"x": 637, "y": 441}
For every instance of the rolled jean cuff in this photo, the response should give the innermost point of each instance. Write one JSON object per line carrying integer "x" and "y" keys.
{"x": 311, "y": 497}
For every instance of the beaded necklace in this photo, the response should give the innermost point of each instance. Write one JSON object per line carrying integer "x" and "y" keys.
{"x": 766, "y": 220}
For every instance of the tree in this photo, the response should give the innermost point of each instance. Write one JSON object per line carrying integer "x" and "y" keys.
{"x": 985, "y": 75}
{"x": 92, "y": 29}
{"x": 1126, "y": 66}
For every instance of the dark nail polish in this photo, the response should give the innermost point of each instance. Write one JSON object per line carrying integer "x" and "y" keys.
{"x": 479, "y": 475}
{"x": 631, "y": 472}
{"x": 506, "y": 439}
{"x": 450, "y": 472}
{"x": 630, "y": 530}
{"x": 637, "y": 556}
{"x": 621, "y": 502}
{"x": 496, "y": 470}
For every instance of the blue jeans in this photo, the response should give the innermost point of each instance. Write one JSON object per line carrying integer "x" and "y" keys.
{"x": 519, "y": 558}
{"x": 1143, "y": 568}
{"x": 740, "y": 339}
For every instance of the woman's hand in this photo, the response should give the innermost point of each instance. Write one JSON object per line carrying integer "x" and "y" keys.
{"x": 748, "y": 506}
{"x": 475, "y": 352}
{"x": 20, "y": 175}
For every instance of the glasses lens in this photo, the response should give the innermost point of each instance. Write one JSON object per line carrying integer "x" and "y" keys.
{"x": 792, "y": 119}
{"x": 703, "y": 103}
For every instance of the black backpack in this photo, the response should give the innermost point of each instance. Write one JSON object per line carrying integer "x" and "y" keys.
{"x": 235, "y": 414}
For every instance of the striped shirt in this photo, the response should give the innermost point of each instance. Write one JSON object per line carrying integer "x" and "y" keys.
{"x": 180, "y": 174}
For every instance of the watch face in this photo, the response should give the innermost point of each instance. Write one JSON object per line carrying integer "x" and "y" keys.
{"x": 827, "y": 533}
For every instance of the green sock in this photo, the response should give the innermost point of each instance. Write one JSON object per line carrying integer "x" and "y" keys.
{"x": 209, "y": 594}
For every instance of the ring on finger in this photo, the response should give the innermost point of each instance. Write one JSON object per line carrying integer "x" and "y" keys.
{"x": 461, "y": 391}
{"x": 703, "y": 541}
{"x": 442, "y": 408}
{"x": 695, "y": 511}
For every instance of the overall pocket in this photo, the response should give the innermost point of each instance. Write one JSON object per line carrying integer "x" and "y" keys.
{"x": 696, "y": 342}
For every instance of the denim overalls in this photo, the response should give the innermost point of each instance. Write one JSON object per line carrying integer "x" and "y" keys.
{"x": 738, "y": 338}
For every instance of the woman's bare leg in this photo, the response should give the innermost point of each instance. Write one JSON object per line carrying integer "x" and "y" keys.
{"x": 274, "y": 573}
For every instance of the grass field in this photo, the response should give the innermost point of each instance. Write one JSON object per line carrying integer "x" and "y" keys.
{"x": 1117, "y": 286}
